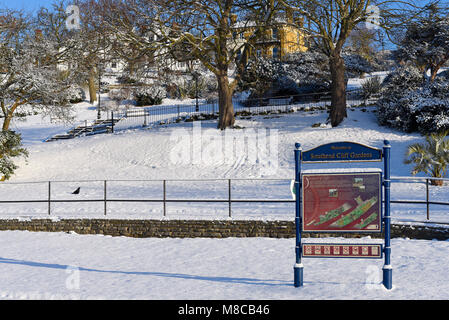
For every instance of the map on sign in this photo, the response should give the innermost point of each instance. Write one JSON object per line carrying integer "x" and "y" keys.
{"x": 345, "y": 202}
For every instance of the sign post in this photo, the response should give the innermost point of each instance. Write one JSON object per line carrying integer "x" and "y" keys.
{"x": 298, "y": 268}
{"x": 342, "y": 202}
{"x": 387, "y": 269}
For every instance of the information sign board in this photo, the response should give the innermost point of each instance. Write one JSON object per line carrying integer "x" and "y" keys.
{"x": 341, "y": 202}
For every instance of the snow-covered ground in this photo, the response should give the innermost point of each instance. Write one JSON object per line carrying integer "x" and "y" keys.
{"x": 71, "y": 266}
{"x": 196, "y": 150}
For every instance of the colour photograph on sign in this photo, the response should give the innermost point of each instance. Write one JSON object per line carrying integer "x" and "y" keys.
{"x": 341, "y": 202}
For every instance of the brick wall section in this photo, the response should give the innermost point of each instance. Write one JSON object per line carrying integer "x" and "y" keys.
{"x": 201, "y": 228}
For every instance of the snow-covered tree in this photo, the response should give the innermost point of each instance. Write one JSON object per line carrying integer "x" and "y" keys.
{"x": 329, "y": 23}
{"x": 410, "y": 103}
{"x": 426, "y": 41}
{"x": 29, "y": 76}
{"x": 297, "y": 73}
{"x": 204, "y": 29}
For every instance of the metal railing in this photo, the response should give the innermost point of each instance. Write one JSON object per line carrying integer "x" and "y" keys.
{"x": 135, "y": 117}
{"x": 164, "y": 114}
{"x": 227, "y": 197}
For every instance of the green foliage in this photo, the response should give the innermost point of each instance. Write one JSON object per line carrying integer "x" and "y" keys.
{"x": 371, "y": 87}
{"x": 431, "y": 157}
{"x": 148, "y": 96}
{"x": 10, "y": 147}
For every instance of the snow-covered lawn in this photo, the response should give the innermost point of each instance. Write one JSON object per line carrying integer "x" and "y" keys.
{"x": 71, "y": 266}
{"x": 177, "y": 151}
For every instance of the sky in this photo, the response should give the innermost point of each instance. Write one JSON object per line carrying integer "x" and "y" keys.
{"x": 33, "y": 5}
{"x": 26, "y": 5}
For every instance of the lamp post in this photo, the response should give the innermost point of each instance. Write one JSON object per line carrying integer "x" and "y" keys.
{"x": 99, "y": 92}
{"x": 195, "y": 76}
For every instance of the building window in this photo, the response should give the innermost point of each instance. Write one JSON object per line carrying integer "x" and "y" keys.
{"x": 258, "y": 53}
{"x": 114, "y": 65}
{"x": 275, "y": 53}
{"x": 275, "y": 33}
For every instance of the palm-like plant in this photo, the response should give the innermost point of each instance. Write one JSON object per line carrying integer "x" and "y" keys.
{"x": 431, "y": 157}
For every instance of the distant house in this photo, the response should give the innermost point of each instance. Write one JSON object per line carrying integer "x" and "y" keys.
{"x": 281, "y": 38}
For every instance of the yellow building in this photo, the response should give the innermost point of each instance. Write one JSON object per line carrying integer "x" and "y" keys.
{"x": 282, "y": 38}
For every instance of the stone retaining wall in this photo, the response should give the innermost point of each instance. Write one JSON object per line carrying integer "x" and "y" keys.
{"x": 202, "y": 228}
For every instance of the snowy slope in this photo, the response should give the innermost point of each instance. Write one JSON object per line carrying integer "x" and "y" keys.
{"x": 170, "y": 152}
{"x": 145, "y": 154}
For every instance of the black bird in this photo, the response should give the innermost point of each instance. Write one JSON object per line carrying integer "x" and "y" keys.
{"x": 76, "y": 191}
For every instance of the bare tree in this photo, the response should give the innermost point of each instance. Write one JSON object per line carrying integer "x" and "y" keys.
{"x": 202, "y": 28}
{"x": 329, "y": 23}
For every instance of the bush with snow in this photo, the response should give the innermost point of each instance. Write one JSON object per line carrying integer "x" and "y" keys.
{"x": 296, "y": 74}
{"x": 10, "y": 147}
{"x": 149, "y": 95}
{"x": 410, "y": 102}
{"x": 75, "y": 94}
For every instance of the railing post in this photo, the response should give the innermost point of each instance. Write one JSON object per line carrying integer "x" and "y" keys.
{"x": 112, "y": 124}
{"x": 49, "y": 196}
{"x": 164, "y": 189}
{"x": 229, "y": 198}
{"x": 104, "y": 193}
{"x": 427, "y": 198}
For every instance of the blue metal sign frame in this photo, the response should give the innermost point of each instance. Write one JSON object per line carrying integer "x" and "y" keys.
{"x": 332, "y": 152}
{"x": 342, "y": 152}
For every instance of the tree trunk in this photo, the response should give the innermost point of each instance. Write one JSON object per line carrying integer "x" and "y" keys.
{"x": 436, "y": 182}
{"x": 226, "y": 109}
{"x": 9, "y": 114}
{"x": 92, "y": 89}
{"x": 6, "y": 123}
{"x": 338, "y": 89}
{"x": 433, "y": 72}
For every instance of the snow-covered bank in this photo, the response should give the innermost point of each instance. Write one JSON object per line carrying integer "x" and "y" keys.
{"x": 148, "y": 154}
{"x": 71, "y": 266}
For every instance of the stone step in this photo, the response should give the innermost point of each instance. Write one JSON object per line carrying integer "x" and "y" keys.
{"x": 98, "y": 127}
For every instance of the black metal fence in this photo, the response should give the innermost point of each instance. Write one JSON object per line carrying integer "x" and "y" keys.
{"x": 135, "y": 117}
{"x": 164, "y": 114}
{"x": 229, "y": 192}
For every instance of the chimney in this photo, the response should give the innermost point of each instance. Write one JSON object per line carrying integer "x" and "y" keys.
{"x": 289, "y": 15}
{"x": 38, "y": 34}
